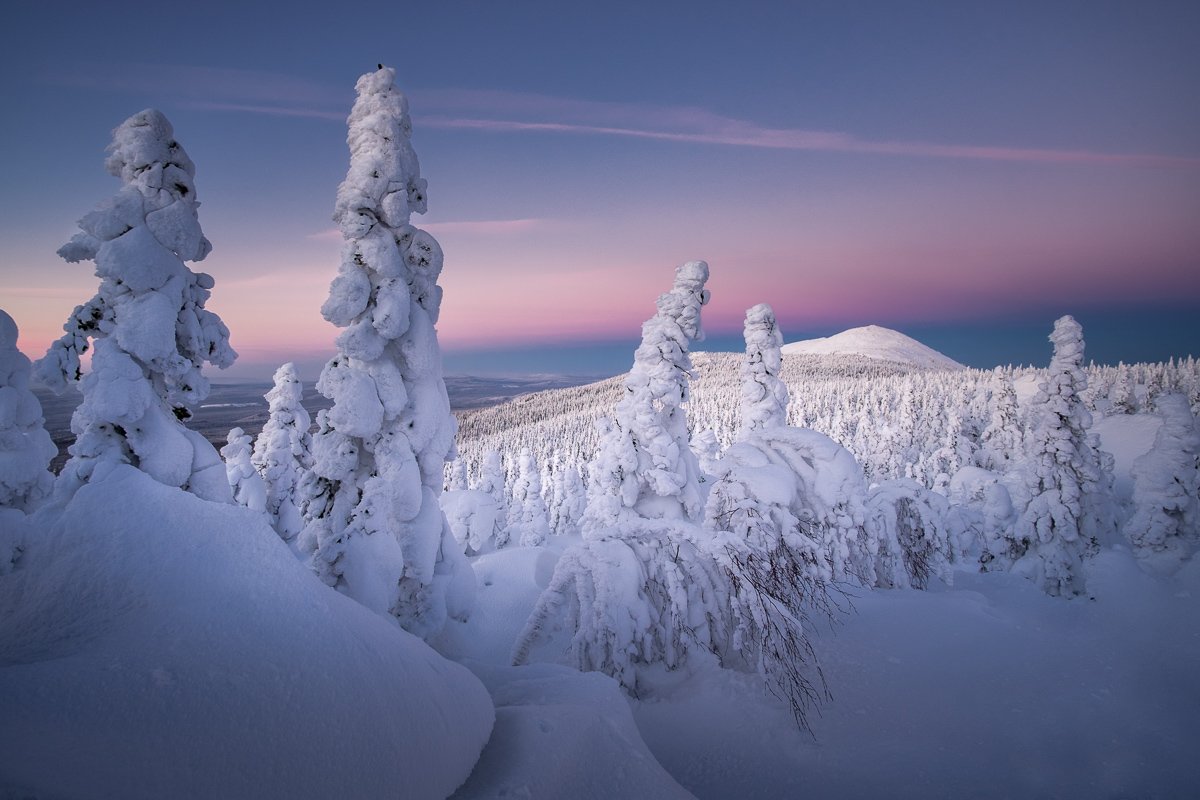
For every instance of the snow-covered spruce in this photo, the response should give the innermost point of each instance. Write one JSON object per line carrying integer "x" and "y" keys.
{"x": 1071, "y": 505}
{"x": 146, "y": 326}
{"x": 645, "y": 467}
{"x": 1166, "y": 522}
{"x": 244, "y": 481}
{"x": 639, "y": 591}
{"x": 26, "y": 449}
{"x": 374, "y": 526}
{"x": 528, "y": 520}
{"x": 764, "y": 394}
{"x": 283, "y": 452}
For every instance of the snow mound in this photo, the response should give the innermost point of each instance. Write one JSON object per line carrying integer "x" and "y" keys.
{"x": 561, "y": 733}
{"x": 873, "y": 341}
{"x": 156, "y": 645}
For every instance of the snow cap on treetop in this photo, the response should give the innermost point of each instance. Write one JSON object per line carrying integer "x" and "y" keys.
{"x": 689, "y": 282}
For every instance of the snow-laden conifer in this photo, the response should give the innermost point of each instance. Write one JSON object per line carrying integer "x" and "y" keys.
{"x": 764, "y": 394}
{"x": 492, "y": 482}
{"x": 375, "y": 526}
{"x": 645, "y": 467}
{"x": 528, "y": 520}
{"x": 1166, "y": 521}
{"x": 639, "y": 590}
{"x": 146, "y": 327}
{"x": 246, "y": 484}
{"x": 1070, "y": 508}
{"x": 283, "y": 452}
{"x": 26, "y": 449}
{"x": 457, "y": 479}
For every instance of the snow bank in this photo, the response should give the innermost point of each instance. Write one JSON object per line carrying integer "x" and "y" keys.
{"x": 560, "y": 733}
{"x": 156, "y": 645}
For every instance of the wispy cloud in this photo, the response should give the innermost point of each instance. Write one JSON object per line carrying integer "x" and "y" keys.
{"x": 278, "y": 111}
{"x": 480, "y": 227}
{"x": 201, "y": 84}
{"x": 259, "y": 92}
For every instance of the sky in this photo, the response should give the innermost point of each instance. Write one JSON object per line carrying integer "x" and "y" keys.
{"x": 962, "y": 172}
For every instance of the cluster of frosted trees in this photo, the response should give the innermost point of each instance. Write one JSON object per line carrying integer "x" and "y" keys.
{"x": 358, "y": 499}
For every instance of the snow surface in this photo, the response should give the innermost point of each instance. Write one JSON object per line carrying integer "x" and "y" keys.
{"x": 874, "y": 341}
{"x": 156, "y": 645}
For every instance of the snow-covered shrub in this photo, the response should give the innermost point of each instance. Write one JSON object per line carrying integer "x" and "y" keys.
{"x": 909, "y": 522}
{"x": 147, "y": 327}
{"x": 374, "y": 524}
{"x": 1071, "y": 505}
{"x": 244, "y": 481}
{"x": 1166, "y": 520}
{"x": 26, "y": 449}
{"x": 283, "y": 453}
{"x": 774, "y": 572}
{"x": 528, "y": 520}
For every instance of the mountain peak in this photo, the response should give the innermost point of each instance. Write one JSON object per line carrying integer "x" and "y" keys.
{"x": 874, "y": 341}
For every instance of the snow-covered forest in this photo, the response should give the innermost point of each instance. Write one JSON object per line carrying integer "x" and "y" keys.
{"x": 760, "y": 574}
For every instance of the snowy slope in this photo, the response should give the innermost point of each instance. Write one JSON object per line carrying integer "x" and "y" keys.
{"x": 156, "y": 645}
{"x": 874, "y": 342}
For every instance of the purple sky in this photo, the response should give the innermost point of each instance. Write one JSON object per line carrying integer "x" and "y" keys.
{"x": 918, "y": 166}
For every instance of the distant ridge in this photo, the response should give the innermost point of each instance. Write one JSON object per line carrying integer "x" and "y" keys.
{"x": 874, "y": 341}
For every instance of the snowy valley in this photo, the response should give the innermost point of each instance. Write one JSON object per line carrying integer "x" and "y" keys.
{"x": 846, "y": 567}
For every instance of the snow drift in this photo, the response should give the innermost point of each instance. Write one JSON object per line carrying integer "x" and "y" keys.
{"x": 156, "y": 645}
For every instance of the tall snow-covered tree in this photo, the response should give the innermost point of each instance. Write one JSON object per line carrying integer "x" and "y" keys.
{"x": 1000, "y": 444}
{"x": 146, "y": 327}
{"x": 1070, "y": 508}
{"x": 528, "y": 519}
{"x": 492, "y": 482}
{"x": 639, "y": 590}
{"x": 645, "y": 467}
{"x": 26, "y": 450}
{"x": 764, "y": 394}
{"x": 244, "y": 481}
{"x": 1166, "y": 480}
{"x": 283, "y": 452}
{"x": 375, "y": 526}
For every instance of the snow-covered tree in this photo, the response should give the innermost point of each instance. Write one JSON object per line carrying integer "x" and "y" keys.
{"x": 645, "y": 467}
{"x": 1166, "y": 520}
{"x": 1000, "y": 443}
{"x": 492, "y": 482}
{"x": 146, "y": 327}
{"x": 571, "y": 503}
{"x": 764, "y": 394}
{"x": 283, "y": 452}
{"x": 375, "y": 527}
{"x": 528, "y": 520}
{"x": 247, "y": 485}
{"x": 26, "y": 450}
{"x": 1123, "y": 397}
{"x": 457, "y": 478}
{"x": 1070, "y": 508}
{"x": 639, "y": 590}
{"x": 910, "y": 525}
{"x": 707, "y": 448}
